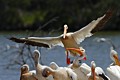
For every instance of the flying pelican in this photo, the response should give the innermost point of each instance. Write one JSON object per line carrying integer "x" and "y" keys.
{"x": 61, "y": 73}
{"x": 26, "y": 74}
{"x": 67, "y": 40}
{"x": 113, "y": 71}
{"x": 97, "y": 73}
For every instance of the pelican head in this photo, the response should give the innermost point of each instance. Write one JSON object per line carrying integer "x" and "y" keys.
{"x": 114, "y": 57}
{"x": 53, "y": 65}
{"x": 83, "y": 52}
{"x": 93, "y": 65}
{"x": 47, "y": 71}
{"x": 65, "y": 31}
{"x": 36, "y": 56}
{"x": 24, "y": 68}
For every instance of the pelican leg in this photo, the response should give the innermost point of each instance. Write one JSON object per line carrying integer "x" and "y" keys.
{"x": 67, "y": 59}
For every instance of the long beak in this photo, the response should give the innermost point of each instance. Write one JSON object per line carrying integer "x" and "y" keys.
{"x": 93, "y": 65}
{"x": 65, "y": 31}
{"x": 77, "y": 51}
{"x": 93, "y": 72}
{"x": 116, "y": 59}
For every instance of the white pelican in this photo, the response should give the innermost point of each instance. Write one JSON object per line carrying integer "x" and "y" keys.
{"x": 96, "y": 73}
{"x": 26, "y": 74}
{"x": 39, "y": 68}
{"x": 53, "y": 65}
{"x": 113, "y": 71}
{"x": 114, "y": 57}
{"x": 68, "y": 40}
{"x": 62, "y": 73}
{"x": 81, "y": 69}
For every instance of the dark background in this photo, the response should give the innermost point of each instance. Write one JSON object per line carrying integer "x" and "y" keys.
{"x": 53, "y": 14}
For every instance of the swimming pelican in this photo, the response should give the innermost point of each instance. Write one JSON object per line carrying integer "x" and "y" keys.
{"x": 113, "y": 71}
{"x": 26, "y": 74}
{"x": 39, "y": 67}
{"x": 68, "y": 40}
{"x": 114, "y": 57}
{"x": 81, "y": 69}
{"x": 97, "y": 73}
{"x": 62, "y": 73}
{"x": 54, "y": 65}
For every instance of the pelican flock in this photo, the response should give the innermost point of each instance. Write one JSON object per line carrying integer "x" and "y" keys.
{"x": 81, "y": 69}
{"x": 67, "y": 40}
{"x": 97, "y": 73}
{"x": 26, "y": 74}
{"x": 70, "y": 41}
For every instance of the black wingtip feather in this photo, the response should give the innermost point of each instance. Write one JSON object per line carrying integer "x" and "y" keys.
{"x": 28, "y": 42}
{"x": 101, "y": 24}
{"x": 103, "y": 76}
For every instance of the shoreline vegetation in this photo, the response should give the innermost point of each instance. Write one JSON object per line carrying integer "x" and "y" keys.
{"x": 49, "y": 15}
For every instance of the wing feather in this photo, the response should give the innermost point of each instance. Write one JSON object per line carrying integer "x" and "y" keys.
{"x": 113, "y": 72}
{"x": 93, "y": 26}
{"x": 38, "y": 41}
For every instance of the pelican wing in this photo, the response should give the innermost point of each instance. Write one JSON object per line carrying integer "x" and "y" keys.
{"x": 113, "y": 72}
{"x": 37, "y": 41}
{"x": 93, "y": 26}
{"x": 85, "y": 68}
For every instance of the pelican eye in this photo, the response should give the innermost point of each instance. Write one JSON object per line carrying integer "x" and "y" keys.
{"x": 71, "y": 77}
{"x": 53, "y": 77}
{"x": 80, "y": 61}
{"x": 83, "y": 50}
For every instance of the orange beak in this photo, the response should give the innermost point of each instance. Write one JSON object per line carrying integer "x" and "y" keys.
{"x": 77, "y": 51}
{"x": 93, "y": 72}
{"x": 116, "y": 60}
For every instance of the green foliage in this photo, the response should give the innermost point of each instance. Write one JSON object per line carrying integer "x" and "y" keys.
{"x": 30, "y": 14}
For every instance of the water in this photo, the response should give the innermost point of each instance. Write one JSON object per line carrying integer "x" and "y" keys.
{"x": 99, "y": 52}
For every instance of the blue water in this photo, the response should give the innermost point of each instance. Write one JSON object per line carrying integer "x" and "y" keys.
{"x": 99, "y": 52}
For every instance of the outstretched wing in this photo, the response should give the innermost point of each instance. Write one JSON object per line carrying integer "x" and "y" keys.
{"x": 95, "y": 25}
{"x": 47, "y": 42}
